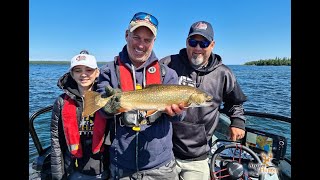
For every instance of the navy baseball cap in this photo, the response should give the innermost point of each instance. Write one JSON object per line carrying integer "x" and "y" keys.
{"x": 202, "y": 28}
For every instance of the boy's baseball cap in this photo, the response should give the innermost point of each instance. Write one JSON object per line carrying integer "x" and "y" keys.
{"x": 202, "y": 28}
{"x": 83, "y": 59}
{"x": 144, "y": 19}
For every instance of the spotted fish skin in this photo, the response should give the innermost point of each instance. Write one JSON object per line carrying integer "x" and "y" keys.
{"x": 152, "y": 98}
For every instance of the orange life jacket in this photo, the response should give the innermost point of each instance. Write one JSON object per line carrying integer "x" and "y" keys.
{"x": 153, "y": 75}
{"x": 71, "y": 129}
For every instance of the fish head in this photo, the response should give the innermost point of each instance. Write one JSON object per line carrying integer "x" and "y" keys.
{"x": 200, "y": 99}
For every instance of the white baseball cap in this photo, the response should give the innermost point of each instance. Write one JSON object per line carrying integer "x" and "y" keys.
{"x": 85, "y": 60}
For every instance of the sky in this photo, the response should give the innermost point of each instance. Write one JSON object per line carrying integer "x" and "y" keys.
{"x": 244, "y": 30}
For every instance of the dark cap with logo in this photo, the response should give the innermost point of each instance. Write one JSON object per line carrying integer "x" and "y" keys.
{"x": 202, "y": 28}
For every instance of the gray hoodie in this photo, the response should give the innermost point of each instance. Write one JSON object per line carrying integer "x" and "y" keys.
{"x": 192, "y": 134}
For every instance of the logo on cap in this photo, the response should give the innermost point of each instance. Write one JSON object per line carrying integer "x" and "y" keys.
{"x": 201, "y": 25}
{"x": 79, "y": 58}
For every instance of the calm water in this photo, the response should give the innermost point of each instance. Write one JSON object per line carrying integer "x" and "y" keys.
{"x": 268, "y": 89}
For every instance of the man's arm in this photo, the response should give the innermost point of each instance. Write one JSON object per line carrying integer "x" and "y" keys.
{"x": 233, "y": 99}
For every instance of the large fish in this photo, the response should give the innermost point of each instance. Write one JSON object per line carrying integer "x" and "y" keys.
{"x": 153, "y": 98}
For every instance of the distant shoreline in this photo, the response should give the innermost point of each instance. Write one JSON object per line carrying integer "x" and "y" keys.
{"x": 270, "y": 62}
{"x": 261, "y": 62}
{"x": 68, "y": 62}
{"x": 56, "y": 62}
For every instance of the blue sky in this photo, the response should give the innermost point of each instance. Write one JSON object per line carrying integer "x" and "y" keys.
{"x": 245, "y": 30}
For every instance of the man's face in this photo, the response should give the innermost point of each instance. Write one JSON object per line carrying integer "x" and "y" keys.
{"x": 197, "y": 55}
{"x": 139, "y": 45}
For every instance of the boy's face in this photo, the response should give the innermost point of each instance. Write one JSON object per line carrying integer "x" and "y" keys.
{"x": 84, "y": 76}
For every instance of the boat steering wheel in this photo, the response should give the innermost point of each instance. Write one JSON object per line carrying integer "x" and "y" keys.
{"x": 232, "y": 168}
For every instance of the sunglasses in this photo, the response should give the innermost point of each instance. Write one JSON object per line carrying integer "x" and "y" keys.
{"x": 194, "y": 43}
{"x": 145, "y": 16}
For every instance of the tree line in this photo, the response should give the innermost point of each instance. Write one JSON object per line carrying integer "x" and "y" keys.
{"x": 271, "y": 62}
{"x": 261, "y": 62}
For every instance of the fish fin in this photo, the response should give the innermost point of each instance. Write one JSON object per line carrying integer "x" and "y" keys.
{"x": 151, "y": 112}
{"x": 120, "y": 110}
{"x": 90, "y": 103}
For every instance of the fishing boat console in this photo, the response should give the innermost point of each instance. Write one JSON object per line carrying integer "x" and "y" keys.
{"x": 259, "y": 155}
{"x": 256, "y": 156}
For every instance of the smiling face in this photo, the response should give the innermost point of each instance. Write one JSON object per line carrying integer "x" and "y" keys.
{"x": 84, "y": 76}
{"x": 199, "y": 56}
{"x": 139, "y": 45}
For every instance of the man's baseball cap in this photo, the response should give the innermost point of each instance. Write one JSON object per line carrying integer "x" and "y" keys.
{"x": 83, "y": 59}
{"x": 202, "y": 28}
{"x": 144, "y": 19}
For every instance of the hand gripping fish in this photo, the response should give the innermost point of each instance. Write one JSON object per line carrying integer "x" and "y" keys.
{"x": 153, "y": 98}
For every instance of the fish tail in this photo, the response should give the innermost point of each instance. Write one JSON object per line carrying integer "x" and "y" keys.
{"x": 91, "y": 103}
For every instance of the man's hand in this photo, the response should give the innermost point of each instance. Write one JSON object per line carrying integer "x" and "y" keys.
{"x": 174, "y": 109}
{"x": 236, "y": 133}
{"x": 110, "y": 91}
{"x": 113, "y": 104}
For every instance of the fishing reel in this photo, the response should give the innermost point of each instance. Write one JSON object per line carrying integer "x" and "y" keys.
{"x": 137, "y": 118}
{"x": 133, "y": 119}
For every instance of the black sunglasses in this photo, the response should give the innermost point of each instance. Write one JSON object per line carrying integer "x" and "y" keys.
{"x": 194, "y": 43}
{"x": 145, "y": 16}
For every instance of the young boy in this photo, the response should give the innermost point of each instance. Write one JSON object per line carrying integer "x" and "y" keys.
{"x": 78, "y": 151}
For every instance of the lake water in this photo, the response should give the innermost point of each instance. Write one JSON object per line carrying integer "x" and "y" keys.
{"x": 268, "y": 89}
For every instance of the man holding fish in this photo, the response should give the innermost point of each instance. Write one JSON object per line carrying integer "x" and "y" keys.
{"x": 141, "y": 141}
{"x": 198, "y": 67}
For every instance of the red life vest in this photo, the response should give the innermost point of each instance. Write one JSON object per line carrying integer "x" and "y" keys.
{"x": 71, "y": 129}
{"x": 153, "y": 75}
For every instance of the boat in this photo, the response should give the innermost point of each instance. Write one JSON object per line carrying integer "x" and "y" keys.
{"x": 262, "y": 154}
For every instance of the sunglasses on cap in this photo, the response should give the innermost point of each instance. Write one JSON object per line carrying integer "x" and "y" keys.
{"x": 145, "y": 16}
{"x": 194, "y": 43}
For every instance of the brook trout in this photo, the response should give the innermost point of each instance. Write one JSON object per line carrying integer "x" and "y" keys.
{"x": 153, "y": 98}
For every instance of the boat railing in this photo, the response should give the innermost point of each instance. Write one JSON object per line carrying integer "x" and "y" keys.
{"x": 268, "y": 115}
{"x": 32, "y": 130}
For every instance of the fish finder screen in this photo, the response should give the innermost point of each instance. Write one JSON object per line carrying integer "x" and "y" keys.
{"x": 257, "y": 141}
